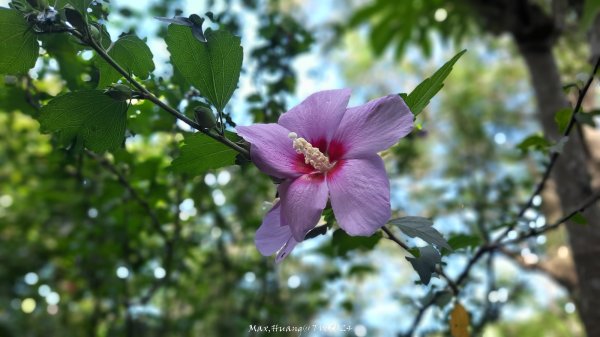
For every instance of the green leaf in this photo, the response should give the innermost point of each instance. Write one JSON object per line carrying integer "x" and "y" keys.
{"x": 579, "y": 219}
{"x": 80, "y": 5}
{"x": 426, "y": 263}
{"x": 589, "y": 12}
{"x": 422, "y": 228}
{"x": 19, "y": 47}
{"x": 361, "y": 269}
{"x": 91, "y": 116}
{"x": 201, "y": 153}
{"x": 419, "y": 98}
{"x": 132, "y": 54}
{"x": 343, "y": 243}
{"x": 562, "y": 118}
{"x": 536, "y": 142}
{"x": 461, "y": 241}
{"x": 213, "y": 67}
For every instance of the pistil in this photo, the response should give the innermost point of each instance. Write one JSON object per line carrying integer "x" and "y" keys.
{"x": 312, "y": 155}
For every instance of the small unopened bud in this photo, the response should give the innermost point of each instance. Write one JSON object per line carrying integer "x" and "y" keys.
{"x": 119, "y": 92}
{"x": 205, "y": 117}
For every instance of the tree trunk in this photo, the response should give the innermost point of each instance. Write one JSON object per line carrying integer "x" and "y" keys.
{"x": 572, "y": 180}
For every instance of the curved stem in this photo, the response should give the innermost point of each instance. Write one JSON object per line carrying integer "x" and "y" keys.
{"x": 151, "y": 97}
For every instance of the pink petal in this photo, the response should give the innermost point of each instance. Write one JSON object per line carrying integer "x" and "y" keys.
{"x": 302, "y": 202}
{"x": 372, "y": 127}
{"x": 286, "y": 250}
{"x": 318, "y": 116}
{"x": 271, "y": 150}
{"x": 271, "y": 236}
{"x": 360, "y": 195}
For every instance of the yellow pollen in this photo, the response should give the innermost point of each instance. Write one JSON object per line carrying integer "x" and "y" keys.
{"x": 312, "y": 155}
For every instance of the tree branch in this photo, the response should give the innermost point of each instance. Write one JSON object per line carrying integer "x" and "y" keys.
{"x": 393, "y": 237}
{"x": 554, "y": 157}
{"x": 132, "y": 192}
{"x": 151, "y": 97}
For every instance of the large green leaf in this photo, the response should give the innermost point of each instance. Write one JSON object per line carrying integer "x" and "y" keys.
{"x": 213, "y": 67}
{"x": 19, "y": 47}
{"x": 422, "y": 228}
{"x": 426, "y": 263}
{"x": 80, "y": 5}
{"x": 93, "y": 117}
{"x": 132, "y": 54}
{"x": 418, "y": 99}
{"x": 201, "y": 153}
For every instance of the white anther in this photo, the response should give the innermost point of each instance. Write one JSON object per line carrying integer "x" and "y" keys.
{"x": 292, "y": 135}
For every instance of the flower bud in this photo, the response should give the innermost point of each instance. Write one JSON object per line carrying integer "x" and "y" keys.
{"x": 119, "y": 92}
{"x": 205, "y": 117}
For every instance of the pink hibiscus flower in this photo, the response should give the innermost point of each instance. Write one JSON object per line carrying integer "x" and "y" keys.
{"x": 323, "y": 150}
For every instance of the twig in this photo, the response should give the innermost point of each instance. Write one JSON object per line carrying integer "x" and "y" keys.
{"x": 540, "y": 186}
{"x": 537, "y": 231}
{"x": 394, "y": 238}
{"x": 151, "y": 97}
{"x": 132, "y": 192}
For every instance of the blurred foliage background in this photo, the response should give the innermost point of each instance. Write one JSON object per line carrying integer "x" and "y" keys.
{"x": 117, "y": 244}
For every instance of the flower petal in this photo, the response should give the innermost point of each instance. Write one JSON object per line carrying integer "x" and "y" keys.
{"x": 302, "y": 202}
{"x": 271, "y": 236}
{"x": 286, "y": 250}
{"x": 360, "y": 195}
{"x": 271, "y": 149}
{"x": 373, "y": 127}
{"x": 318, "y": 116}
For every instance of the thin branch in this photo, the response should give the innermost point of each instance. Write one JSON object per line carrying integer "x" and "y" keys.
{"x": 170, "y": 245}
{"x": 453, "y": 286}
{"x": 132, "y": 192}
{"x": 394, "y": 238}
{"x": 420, "y": 313}
{"x": 151, "y": 97}
{"x": 537, "y": 231}
{"x": 540, "y": 186}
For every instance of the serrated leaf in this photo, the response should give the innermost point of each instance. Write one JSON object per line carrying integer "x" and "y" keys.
{"x": 562, "y": 118}
{"x": 91, "y": 116}
{"x": 426, "y": 263}
{"x": 579, "y": 219}
{"x": 213, "y": 67}
{"x": 415, "y": 226}
{"x": 459, "y": 321}
{"x": 461, "y": 241}
{"x": 201, "y": 153}
{"x": 19, "y": 47}
{"x": 132, "y": 54}
{"x": 419, "y": 98}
